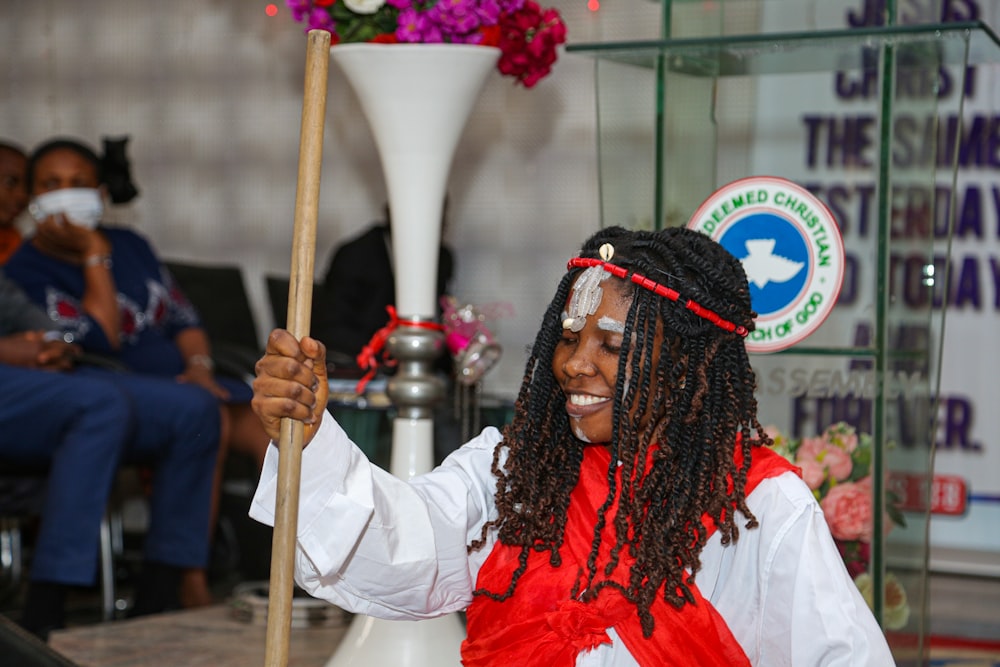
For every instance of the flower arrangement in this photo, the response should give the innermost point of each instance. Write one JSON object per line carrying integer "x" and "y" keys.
{"x": 526, "y": 34}
{"x": 837, "y": 467}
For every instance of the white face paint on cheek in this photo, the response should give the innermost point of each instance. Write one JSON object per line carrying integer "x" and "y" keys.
{"x": 606, "y": 323}
{"x": 578, "y": 432}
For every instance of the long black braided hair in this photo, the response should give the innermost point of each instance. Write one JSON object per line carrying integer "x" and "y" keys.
{"x": 690, "y": 406}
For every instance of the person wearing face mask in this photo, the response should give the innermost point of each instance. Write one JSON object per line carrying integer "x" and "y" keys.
{"x": 80, "y": 423}
{"x": 106, "y": 290}
{"x": 13, "y": 196}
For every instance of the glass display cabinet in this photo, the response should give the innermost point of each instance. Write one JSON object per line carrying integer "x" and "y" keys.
{"x": 869, "y": 119}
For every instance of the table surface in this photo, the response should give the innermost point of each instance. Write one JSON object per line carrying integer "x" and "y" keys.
{"x": 205, "y": 637}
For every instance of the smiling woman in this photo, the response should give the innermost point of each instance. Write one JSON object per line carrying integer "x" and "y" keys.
{"x": 633, "y": 466}
{"x": 585, "y": 362}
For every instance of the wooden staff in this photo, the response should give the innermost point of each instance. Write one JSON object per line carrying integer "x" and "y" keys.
{"x": 286, "y": 504}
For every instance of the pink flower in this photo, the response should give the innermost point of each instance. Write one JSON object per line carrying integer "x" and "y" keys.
{"x": 848, "y": 510}
{"x": 813, "y": 473}
{"x": 810, "y": 449}
{"x": 842, "y": 435}
{"x": 833, "y": 459}
{"x": 773, "y": 432}
{"x": 838, "y": 462}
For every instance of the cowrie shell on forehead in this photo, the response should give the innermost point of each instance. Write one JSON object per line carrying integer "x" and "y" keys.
{"x": 606, "y": 251}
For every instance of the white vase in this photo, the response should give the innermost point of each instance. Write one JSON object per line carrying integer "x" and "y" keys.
{"x": 417, "y": 99}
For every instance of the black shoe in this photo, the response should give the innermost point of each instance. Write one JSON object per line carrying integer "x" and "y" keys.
{"x": 44, "y": 608}
{"x": 157, "y": 590}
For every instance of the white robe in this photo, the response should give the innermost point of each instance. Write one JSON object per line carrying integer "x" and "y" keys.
{"x": 378, "y": 545}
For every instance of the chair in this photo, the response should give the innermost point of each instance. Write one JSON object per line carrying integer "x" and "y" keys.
{"x": 21, "y": 493}
{"x": 22, "y": 490}
{"x": 277, "y": 294}
{"x": 219, "y": 294}
{"x": 364, "y": 421}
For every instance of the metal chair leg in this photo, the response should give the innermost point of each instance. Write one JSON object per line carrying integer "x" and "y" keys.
{"x": 11, "y": 556}
{"x": 108, "y": 599}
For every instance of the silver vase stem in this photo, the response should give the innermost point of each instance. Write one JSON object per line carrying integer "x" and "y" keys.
{"x": 415, "y": 389}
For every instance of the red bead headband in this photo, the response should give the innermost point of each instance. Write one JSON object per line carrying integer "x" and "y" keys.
{"x": 657, "y": 288}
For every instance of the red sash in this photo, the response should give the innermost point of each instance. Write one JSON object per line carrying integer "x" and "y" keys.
{"x": 541, "y": 625}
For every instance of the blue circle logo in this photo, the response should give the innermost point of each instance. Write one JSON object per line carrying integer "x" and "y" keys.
{"x": 775, "y": 257}
{"x": 791, "y": 250}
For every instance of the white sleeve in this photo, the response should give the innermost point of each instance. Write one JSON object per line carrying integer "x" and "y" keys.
{"x": 372, "y": 543}
{"x": 783, "y": 588}
{"x": 812, "y": 610}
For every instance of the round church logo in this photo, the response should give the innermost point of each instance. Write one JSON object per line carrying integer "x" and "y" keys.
{"x": 791, "y": 249}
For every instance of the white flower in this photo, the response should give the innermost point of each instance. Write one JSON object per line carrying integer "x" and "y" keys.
{"x": 364, "y": 6}
{"x": 896, "y": 610}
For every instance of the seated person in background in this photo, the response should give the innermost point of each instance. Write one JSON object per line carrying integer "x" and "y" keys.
{"x": 631, "y": 514}
{"x": 13, "y": 197}
{"x": 107, "y": 291}
{"x": 359, "y": 284}
{"x": 351, "y": 307}
{"x": 81, "y": 423}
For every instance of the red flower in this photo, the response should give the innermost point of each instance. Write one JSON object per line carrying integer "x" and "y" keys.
{"x": 856, "y": 555}
{"x": 528, "y": 41}
{"x": 323, "y": 3}
{"x": 491, "y": 35}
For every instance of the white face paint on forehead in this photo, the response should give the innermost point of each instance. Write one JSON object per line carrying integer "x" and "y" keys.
{"x": 585, "y": 299}
{"x": 610, "y": 324}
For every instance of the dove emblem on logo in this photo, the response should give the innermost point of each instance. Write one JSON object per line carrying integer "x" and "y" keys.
{"x": 791, "y": 250}
{"x": 763, "y": 265}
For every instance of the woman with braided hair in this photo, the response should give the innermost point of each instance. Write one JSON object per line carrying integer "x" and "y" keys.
{"x": 629, "y": 515}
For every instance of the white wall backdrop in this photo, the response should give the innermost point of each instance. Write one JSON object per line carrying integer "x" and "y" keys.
{"x": 210, "y": 93}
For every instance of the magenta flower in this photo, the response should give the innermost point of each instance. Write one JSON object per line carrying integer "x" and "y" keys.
{"x": 414, "y": 27}
{"x": 456, "y": 17}
{"x": 300, "y": 8}
{"x": 488, "y": 12}
{"x": 527, "y": 35}
{"x": 319, "y": 19}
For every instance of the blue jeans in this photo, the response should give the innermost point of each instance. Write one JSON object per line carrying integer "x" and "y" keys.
{"x": 83, "y": 425}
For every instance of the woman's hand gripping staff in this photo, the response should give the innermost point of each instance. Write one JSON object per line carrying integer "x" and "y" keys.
{"x": 291, "y": 382}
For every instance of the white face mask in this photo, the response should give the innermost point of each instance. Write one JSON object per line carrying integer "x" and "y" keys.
{"x": 81, "y": 206}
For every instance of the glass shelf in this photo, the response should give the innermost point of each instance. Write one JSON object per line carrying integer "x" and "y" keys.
{"x": 678, "y": 118}
{"x": 968, "y": 43}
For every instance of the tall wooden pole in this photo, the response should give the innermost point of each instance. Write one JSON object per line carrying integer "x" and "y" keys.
{"x": 286, "y": 505}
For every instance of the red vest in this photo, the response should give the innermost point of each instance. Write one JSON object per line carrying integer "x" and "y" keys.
{"x": 540, "y": 625}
